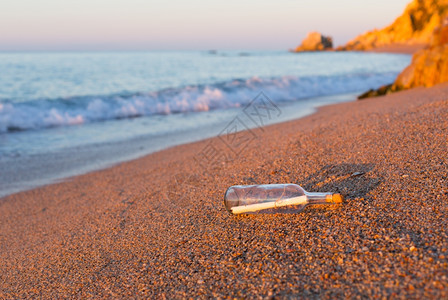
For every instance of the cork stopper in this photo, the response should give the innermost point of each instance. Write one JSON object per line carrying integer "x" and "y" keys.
{"x": 335, "y": 198}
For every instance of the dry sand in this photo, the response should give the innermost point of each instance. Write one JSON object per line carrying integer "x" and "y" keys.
{"x": 157, "y": 226}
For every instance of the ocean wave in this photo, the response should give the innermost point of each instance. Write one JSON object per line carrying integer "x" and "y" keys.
{"x": 45, "y": 113}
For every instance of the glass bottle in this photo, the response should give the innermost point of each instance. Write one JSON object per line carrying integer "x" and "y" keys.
{"x": 274, "y": 198}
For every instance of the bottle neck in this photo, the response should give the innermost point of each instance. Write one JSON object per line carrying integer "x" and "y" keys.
{"x": 319, "y": 198}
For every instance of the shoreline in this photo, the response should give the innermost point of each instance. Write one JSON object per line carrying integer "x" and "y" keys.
{"x": 27, "y": 172}
{"x": 157, "y": 226}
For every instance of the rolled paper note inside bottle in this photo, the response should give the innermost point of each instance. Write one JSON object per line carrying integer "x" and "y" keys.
{"x": 274, "y": 198}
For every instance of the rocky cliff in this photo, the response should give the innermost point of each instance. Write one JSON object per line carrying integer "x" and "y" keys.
{"x": 315, "y": 42}
{"x": 414, "y": 26}
{"x": 429, "y": 66}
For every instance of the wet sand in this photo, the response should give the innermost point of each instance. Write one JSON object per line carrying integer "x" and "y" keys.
{"x": 157, "y": 226}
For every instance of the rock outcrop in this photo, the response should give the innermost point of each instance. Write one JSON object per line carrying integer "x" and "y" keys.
{"x": 383, "y": 90}
{"x": 413, "y": 27}
{"x": 429, "y": 66}
{"x": 315, "y": 42}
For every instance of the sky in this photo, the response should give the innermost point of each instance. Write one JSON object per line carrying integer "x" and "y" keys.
{"x": 96, "y": 25}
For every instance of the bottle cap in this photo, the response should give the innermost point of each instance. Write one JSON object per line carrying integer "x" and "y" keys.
{"x": 335, "y": 198}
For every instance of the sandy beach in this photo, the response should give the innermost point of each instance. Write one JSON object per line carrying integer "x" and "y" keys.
{"x": 398, "y": 48}
{"x": 157, "y": 226}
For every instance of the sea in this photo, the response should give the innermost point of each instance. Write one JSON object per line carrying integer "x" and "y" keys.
{"x": 67, "y": 113}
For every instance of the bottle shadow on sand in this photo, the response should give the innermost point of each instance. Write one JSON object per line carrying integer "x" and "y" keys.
{"x": 353, "y": 181}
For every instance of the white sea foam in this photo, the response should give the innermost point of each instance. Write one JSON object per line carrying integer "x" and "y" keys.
{"x": 43, "y": 113}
